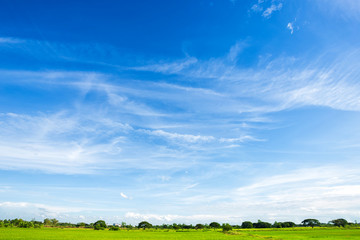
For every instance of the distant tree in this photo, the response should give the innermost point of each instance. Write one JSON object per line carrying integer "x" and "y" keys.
{"x": 81, "y": 224}
{"x": 54, "y": 222}
{"x": 175, "y": 226}
{"x": 199, "y": 226}
{"x": 247, "y": 224}
{"x": 310, "y": 222}
{"x": 288, "y": 224}
{"x": 215, "y": 225}
{"x": 261, "y": 224}
{"x": 100, "y": 225}
{"x": 114, "y": 228}
{"x": 144, "y": 224}
{"x": 277, "y": 225}
{"x": 339, "y": 222}
{"x": 226, "y": 227}
{"x": 47, "y": 222}
{"x": 36, "y": 225}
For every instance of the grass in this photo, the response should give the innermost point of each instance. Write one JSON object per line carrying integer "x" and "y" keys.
{"x": 253, "y": 234}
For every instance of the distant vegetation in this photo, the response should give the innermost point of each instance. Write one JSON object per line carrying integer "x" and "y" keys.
{"x": 101, "y": 225}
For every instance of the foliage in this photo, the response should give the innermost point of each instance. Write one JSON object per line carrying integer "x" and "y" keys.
{"x": 175, "y": 226}
{"x": 226, "y": 227}
{"x": 215, "y": 225}
{"x": 288, "y": 224}
{"x": 310, "y": 222}
{"x": 199, "y": 226}
{"x": 144, "y": 225}
{"x": 114, "y": 228}
{"x": 340, "y": 222}
{"x": 247, "y": 224}
{"x": 100, "y": 225}
{"x": 261, "y": 224}
{"x": 283, "y": 224}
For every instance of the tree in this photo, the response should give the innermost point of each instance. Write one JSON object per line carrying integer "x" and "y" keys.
{"x": 114, "y": 228}
{"x": 144, "y": 224}
{"x": 199, "y": 226}
{"x": 261, "y": 224}
{"x": 310, "y": 222}
{"x": 226, "y": 227}
{"x": 215, "y": 225}
{"x": 47, "y": 222}
{"x": 175, "y": 226}
{"x": 340, "y": 222}
{"x": 81, "y": 224}
{"x": 100, "y": 225}
{"x": 247, "y": 224}
{"x": 54, "y": 222}
{"x": 288, "y": 224}
{"x": 277, "y": 225}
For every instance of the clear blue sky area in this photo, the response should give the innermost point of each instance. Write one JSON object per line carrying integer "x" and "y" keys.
{"x": 180, "y": 111}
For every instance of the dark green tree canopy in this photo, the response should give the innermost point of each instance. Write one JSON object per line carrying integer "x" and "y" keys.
{"x": 288, "y": 224}
{"x": 340, "y": 222}
{"x": 100, "y": 225}
{"x": 175, "y": 226}
{"x": 261, "y": 224}
{"x": 247, "y": 224}
{"x": 144, "y": 224}
{"x": 215, "y": 225}
{"x": 199, "y": 226}
{"x": 310, "y": 222}
{"x": 226, "y": 227}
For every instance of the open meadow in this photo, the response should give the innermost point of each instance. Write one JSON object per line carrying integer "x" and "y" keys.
{"x": 275, "y": 234}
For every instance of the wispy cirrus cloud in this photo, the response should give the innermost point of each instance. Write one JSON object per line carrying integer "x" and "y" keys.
{"x": 170, "y": 218}
{"x": 183, "y": 137}
{"x": 286, "y": 82}
{"x": 345, "y": 9}
{"x": 9, "y": 40}
{"x": 265, "y": 9}
{"x": 274, "y": 7}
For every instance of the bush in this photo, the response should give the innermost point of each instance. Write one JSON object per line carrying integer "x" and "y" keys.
{"x": 226, "y": 227}
{"x": 199, "y": 226}
{"x": 144, "y": 224}
{"x": 261, "y": 224}
{"x": 114, "y": 228}
{"x": 215, "y": 225}
{"x": 99, "y": 225}
{"x": 247, "y": 224}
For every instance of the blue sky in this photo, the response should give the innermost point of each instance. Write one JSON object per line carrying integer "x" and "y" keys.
{"x": 180, "y": 111}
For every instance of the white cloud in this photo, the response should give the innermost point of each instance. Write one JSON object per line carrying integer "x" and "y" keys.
{"x": 42, "y": 142}
{"x": 258, "y": 6}
{"x": 284, "y": 83}
{"x": 124, "y": 196}
{"x": 290, "y": 27}
{"x": 10, "y": 40}
{"x": 345, "y": 9}
{"x": 267, "y": 13}
{"x": 169, "y": 68}
{"x": 179, "y": 218}
{"x": 26, "y": 210}
{"x": 322, "y": 191}
{"x": 182, "y": 137}
{"x": 239, "y": 139}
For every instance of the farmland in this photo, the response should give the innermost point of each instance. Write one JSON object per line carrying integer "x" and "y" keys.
{"x": 82, "y": 234}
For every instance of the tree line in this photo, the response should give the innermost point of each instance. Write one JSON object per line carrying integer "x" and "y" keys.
{"x": 101, "y": 224}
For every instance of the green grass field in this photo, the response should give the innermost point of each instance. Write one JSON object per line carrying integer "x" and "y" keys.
{"x": 274, "y": 234}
